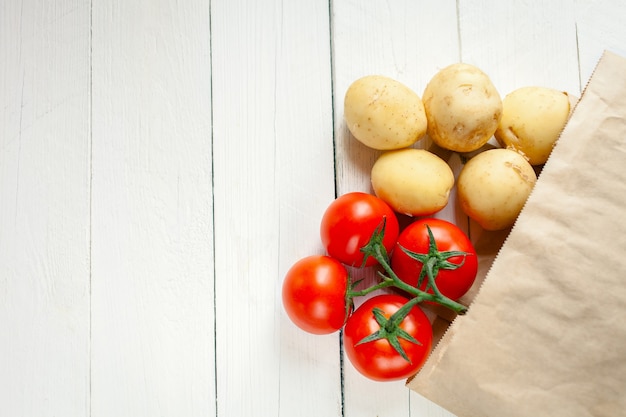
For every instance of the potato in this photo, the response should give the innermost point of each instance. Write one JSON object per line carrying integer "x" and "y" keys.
{"x": 462, "y": 107}
{"x": 532, "y": 120}
{"x": 412, "y": 181}
{"x": 383, "y": 113}
{"x": 493, "y": 187}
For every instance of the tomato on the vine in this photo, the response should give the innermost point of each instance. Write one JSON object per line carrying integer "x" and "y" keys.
{"x": 378, "y": 359}
{"x": 314, "y": 294}
{"x": 453, "y": 283}
{"x": 349, "y": 222}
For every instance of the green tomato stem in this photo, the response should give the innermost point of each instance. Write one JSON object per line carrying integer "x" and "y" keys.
{"x": 431, "y": 264}
{"x": 436, "y": 297}
{"x": 371, "y": 289}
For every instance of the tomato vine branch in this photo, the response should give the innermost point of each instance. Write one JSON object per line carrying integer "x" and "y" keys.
{"x": 432, "y": 262}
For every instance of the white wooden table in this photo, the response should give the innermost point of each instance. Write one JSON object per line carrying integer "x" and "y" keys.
{"x": 164, "y": 162}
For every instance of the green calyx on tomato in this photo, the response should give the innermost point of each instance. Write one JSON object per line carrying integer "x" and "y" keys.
{"x": 434, "y": 250}
{"x": 378, "y": 324}
{"x": 375, "y": 249}
{"x": 390, "y": 329}
{"x": 433, "y": 261}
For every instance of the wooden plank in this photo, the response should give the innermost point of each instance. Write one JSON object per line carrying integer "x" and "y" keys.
{"x": 44, "y": 208}
{"x": 273, "y": 177}
{"x": 521, "y": 44}
{"x": 152, "y": 269}
{"x": 599, "y": 27}
{"x": 408, "y": 41}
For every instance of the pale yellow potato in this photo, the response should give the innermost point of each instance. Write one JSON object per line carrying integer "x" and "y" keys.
{"x": 493, "y": 187}
{"x": 412, "y": 181}
{"x": 462, "y": 107}
{"x": 532, "y": 120}
{"x": 383, "y": 113}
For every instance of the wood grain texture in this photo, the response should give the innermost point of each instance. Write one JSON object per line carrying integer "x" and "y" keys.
{"x": 522, "y": 44}
{"x": 44, "y": 208}
{"x": 152, "y": 237}
{"x": 599, "y": 27}
{"x": 163, "y": 163}
{"x": 273, "y": 177}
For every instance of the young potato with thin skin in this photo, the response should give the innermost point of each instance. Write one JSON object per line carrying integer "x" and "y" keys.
{"x": 493, "y": 187}
{"x": 412, "y": 181}
{"x": 383, "y": 113}
{"x": 532, "y": 121}
{"x": 462, "y": 107}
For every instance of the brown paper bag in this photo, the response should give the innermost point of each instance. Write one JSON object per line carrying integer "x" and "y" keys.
{"x": 546, "y": 333}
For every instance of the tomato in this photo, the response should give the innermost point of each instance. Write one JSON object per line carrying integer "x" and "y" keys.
{"x": 453, "y": 283}
{"x": 378, "y": 359}
{"x": 349, "y": 222}
{"x": 314, "y": 294}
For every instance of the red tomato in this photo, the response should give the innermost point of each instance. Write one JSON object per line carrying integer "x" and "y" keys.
{"x": 314, "y": 294}
{"x": 453, "y": 283}
{"x": 350, "y": 221}
{"x": 378, "y": 359}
